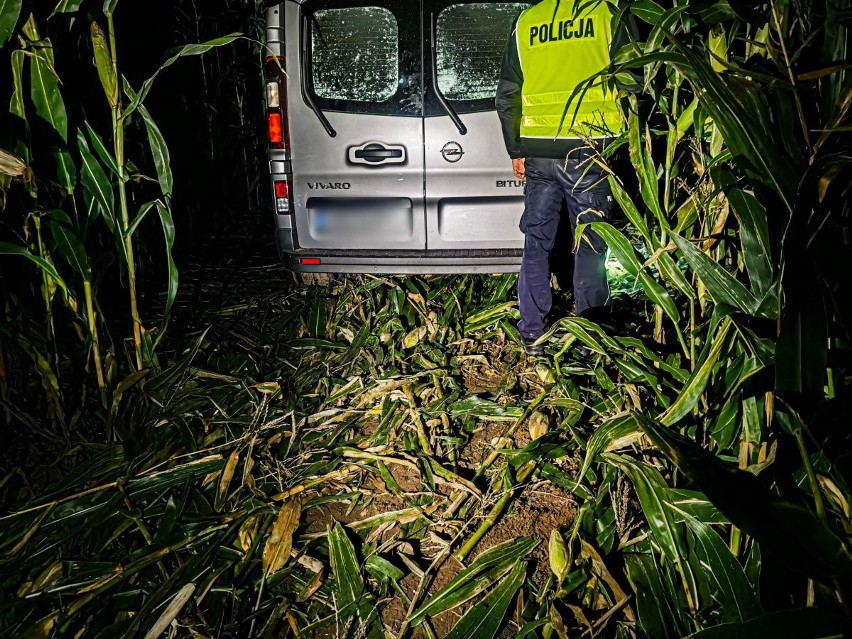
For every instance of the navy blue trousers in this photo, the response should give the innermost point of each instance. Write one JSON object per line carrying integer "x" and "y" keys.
{"x": 585, "y": 190}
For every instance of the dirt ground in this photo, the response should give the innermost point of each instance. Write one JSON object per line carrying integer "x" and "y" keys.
{"x": 537, "y": 508}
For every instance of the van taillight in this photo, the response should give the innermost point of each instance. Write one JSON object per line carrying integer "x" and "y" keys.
{"x": 276, "y": 128}
{"x": 282, "y": 196}
{"x": 276, "y": 102}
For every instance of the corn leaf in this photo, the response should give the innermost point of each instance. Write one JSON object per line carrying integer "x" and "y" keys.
{"x": 349, "y": 584}
{"x": 157, "y": 145}
{"x": 718, "y": 49}
{"x": 96, "y": 182}
{"x": 10, "y": 10}
{"x": 647, "y": 10}
{"x": 484, "y": 570}
{"x": 673, "y": 275}
{"x": 626, "y": 254}
{"x": 380, "y": 568}
{"x": 225, "y": 480}
{"x": 160, "y": 152}
{"x": 172, "y": 611}
{"x": 483, "y": 620}
{"x": 754, "y": 235}
{"x": 49, "y": 105}
{"x": 137, "y": 220}
{"x": 67, "y": 6}
{"x": 777, "y": 524}
{"x": 315, "y": 342}
{"x": 488, "y": 316}
{"x": 610, "y": 431}
{"x": 174, "y": 372}
{"x": 168, "y": 226}
{"x": 685, "y": 120}
{"x": 44, "y": 91}
{"x": 723, "y": 287}
{"x": 802, "y": 623}
{"x": 691, "y": 393}
{"x": 69, "y": 243}
{"x": 643, "y": 162}
{"x": 16, "y": 103}
{"x": 729, "y": 583}
{"x": 651, "y": 490}
{"x": 101, "y": 150}
{"x": 318, "y": 318}
{"x": 276, "y": 552}
{"x": 7, "y": 248}
{"x": 630, "y": 210}
{"x": 479, "y": 407}
{"x": 186, "y": 50}
{"x": 658, "y": 615}
{"x": 695, "y": 504}
{"x": 155, "y": 482}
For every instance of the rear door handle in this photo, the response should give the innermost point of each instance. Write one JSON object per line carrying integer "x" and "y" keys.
{"x": 375, "y": 153}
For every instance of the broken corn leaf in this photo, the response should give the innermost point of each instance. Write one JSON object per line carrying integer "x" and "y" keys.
{"x": 225, "y": 481}
{"x": 414, "y": 337}
{"x": 248, "y": 531}
{"x": 538, "y": 425}
{"x": 545, "y": 373}
{"x": 280, "y": 542}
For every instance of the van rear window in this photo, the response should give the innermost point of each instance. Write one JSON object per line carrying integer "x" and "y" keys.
{"x": 471, "y": 39}
{"x": 354, "y": 54}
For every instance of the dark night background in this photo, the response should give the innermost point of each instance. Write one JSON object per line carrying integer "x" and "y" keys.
{"x": 209, "y": 109}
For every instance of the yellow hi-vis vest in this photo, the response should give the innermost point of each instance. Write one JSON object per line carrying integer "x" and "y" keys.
{"x": 557, "y": 53}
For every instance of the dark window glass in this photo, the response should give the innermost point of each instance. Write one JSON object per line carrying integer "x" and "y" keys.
{"x": 355, "y": 54}
{"x": 471, "y": 39}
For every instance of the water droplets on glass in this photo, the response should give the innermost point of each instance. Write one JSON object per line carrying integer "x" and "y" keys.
{"x": 470, "y": 43}
{"x": 355, "y": 54}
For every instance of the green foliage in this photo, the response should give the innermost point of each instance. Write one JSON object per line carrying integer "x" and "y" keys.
{"x": 82, "y": 218}
{"x": 700, "y": 446}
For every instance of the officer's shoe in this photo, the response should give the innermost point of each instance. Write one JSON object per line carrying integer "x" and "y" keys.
{"x": 530, "y": 347}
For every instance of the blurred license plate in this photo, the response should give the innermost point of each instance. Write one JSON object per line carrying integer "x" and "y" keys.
{"x": 359, "y": 223}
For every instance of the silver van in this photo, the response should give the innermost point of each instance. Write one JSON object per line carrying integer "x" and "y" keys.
{"x": 385, "y": 151}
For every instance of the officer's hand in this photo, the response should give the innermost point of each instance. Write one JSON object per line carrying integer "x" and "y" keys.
{"x": 518, "y": 168}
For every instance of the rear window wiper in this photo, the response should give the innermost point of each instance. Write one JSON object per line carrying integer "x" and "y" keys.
{"x": 444, "y": 102}
{"x": 305, "y": 71}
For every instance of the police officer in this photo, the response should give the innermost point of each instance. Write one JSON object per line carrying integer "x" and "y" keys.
{"x": 554, "y": 47}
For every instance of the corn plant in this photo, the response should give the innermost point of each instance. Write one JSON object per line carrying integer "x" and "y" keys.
{"x": 736, "y": 201}
{"x": 359, "y": 394}
{"x": 70, "y": 224}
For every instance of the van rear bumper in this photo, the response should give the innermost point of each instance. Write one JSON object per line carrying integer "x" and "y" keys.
{"x": 404, "y": 261}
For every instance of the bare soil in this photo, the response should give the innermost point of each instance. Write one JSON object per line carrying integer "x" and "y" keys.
{"x": 536, "y": 509}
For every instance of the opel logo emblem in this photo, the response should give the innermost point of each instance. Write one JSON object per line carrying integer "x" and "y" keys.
{"x": 452, "y": 152}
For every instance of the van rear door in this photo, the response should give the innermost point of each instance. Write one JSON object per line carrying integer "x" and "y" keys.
{"x": 473, "y": 200}
{"x": 357, "y": 180}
